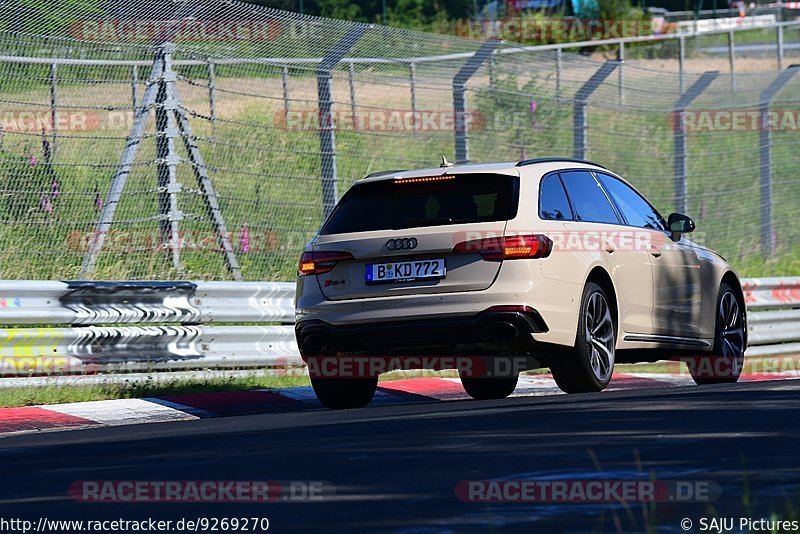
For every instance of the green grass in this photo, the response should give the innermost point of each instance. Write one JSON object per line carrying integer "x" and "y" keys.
{"x": 57, "y": 393}
{"x": 62, "y": 391}
{"x": 782, "y": 264}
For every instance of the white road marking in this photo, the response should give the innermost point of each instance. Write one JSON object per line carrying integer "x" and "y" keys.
{"x": 122, "y": 412}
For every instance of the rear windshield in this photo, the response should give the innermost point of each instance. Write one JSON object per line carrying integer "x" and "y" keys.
{"x": 392, "y": 205}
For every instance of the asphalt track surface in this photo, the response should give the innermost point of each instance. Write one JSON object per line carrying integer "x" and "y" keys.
{"x": 394, "y": 468}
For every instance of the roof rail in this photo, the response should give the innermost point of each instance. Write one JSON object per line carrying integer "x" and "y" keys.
{"x": 383, "y": 173}
{"x": 555, "y": 160}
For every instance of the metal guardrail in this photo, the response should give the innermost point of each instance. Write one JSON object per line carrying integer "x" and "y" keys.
{"x": 95, "y": 303}
{"x": 191, "y": 338}
{"x": 190, "y": 325}
{"x": 773, "y": 306}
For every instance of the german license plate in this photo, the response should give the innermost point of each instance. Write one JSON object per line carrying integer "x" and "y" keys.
{"x": 405, "y": 271}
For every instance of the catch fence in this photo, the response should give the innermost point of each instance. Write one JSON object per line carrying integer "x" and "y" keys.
{"x": 208, "y": 139}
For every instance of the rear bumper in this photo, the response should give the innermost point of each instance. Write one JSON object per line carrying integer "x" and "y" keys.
{"x": 491, "y": 327}
{"x": 518, "y": 283}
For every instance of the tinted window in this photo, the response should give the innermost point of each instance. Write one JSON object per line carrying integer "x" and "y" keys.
{"x": 636, "y": 210}
{"x": 588, "y": 199}
{"x": 553, "y": 203}
{"x": 395, "y": 204}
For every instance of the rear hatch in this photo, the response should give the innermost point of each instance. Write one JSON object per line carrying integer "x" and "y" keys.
{"x": 401, "y": 233}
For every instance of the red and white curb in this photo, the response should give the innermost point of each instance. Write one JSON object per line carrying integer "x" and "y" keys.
{"x": 186, "y": 407}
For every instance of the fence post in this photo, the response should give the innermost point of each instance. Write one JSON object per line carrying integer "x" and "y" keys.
{"x": 780, "y": 48}
{"x": 327, "y": 142}
{"x": 351, "y": 76}
{"x": 765, "y": 157}
{"x": 212, "y": 97}
{"x": 167, "y": 160}
{"x": 621, "y": 73}
{"x": 135, "y": 87}
{"x": 285, "y": 84}
{"x": 413, "y": 81}
{"x": 681, "y": 62}
{"x": 732, "y": 58}
{"x": 558, "y": 71}
{"x": 461, "y": 122}
{"x": 490, "y": 66}
{"x": 579, "y": 106}
{"x": 679, "y": 137}
{"x": 53, "y": 107}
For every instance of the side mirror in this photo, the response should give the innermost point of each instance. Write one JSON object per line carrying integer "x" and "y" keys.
{"x": 680, "y": 224}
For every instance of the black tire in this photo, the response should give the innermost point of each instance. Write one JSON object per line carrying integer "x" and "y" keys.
{"x": 588, "y": 366}
{"x": 489, "y": 388}
{"x": 344, "y": 393}
{"x": 723, "y": 365}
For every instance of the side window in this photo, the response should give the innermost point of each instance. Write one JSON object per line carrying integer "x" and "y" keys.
{"x": 588, "y": 199}
{"x": 636, "y": 210}
{"x": 553, "y": 203}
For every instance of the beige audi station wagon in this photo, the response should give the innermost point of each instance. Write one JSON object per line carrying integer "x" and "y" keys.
{"x": 558, "y": 262}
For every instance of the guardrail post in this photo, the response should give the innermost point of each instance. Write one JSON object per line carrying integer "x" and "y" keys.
{"x": 327, "y": 142}
{"x": 779, "y": 48}
{"x": 679, "y": 136}
{"x": 765, "y": 157}
{"x": 579, "y": 106}
{"x": 460, "y": 114}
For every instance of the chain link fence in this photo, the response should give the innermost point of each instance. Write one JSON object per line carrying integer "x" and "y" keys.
{"x": 207, "y": 139}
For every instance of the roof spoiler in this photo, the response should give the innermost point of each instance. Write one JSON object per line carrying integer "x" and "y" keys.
{"x": 555, "y": 160}
{"x": 383, "y": 173}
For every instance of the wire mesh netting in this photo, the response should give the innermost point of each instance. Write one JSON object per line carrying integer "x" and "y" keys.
{"x": 76, "y": 163}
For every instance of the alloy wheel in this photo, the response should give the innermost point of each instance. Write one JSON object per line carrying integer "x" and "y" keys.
{"x": 600, "y": 336}
{"x": 731, "y": 328}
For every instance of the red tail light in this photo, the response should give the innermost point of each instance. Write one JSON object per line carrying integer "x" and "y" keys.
{"x": 320, "y": 262}
{"x": 509, "y": 247}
